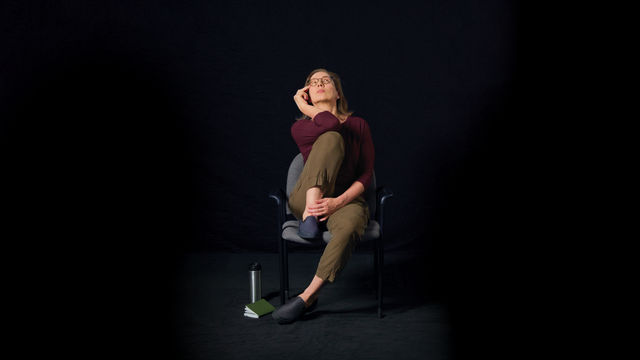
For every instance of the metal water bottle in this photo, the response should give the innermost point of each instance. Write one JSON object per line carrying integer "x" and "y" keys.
{"x": 255, "y": 284}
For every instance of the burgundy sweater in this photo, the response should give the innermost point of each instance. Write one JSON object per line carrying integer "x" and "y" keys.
{"x": 359, "y": 153}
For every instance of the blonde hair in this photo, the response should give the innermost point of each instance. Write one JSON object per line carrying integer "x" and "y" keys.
{"x": 342, "y": 105}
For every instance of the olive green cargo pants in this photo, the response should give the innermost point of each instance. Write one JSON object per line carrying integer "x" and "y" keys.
{"x": 348, "y": 223}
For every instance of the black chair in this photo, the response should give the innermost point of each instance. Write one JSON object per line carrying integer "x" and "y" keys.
{"x": 288, "y": 227}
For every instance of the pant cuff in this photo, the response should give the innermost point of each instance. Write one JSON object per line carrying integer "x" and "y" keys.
{"x": 321, "y": 180}
{"x": 327, "y": 277}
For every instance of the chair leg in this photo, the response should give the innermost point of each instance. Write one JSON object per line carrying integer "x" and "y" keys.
{"x": 380, "y": 267}
{"x": 375, "y": 266}
{"x": 281, "y": 268}
{"x": 286, "y": 270}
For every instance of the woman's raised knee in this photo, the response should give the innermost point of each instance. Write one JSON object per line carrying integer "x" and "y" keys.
{"x": 331, "y": 140}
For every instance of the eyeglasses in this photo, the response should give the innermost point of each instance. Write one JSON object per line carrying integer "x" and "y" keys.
{"x": 315, "y": 82}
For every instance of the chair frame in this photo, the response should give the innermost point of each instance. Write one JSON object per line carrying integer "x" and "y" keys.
{"x": 281, "y": 199}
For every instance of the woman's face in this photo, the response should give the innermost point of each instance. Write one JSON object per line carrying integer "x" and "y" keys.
{"x": 322, "y": 88}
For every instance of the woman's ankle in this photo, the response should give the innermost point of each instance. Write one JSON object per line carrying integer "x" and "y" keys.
{"x": 308, "y": 299}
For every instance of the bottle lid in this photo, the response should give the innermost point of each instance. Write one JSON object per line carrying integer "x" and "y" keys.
{"x": 255, "y": 266}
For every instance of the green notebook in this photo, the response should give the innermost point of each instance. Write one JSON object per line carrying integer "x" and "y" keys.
{"x": 258, "y": 309}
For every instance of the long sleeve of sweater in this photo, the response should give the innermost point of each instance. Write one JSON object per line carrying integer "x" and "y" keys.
{"x": 305, "y": 132}
{"x": 367, "y": 157}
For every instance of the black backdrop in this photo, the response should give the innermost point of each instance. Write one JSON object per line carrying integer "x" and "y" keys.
{"x": 135, "y": 131}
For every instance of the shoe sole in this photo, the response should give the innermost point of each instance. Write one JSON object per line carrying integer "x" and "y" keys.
{"x": 310, "y": 236}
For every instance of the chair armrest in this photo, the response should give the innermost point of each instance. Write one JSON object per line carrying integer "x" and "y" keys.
{"x": 279, "y": 196}
{"x": 382, "y": 195}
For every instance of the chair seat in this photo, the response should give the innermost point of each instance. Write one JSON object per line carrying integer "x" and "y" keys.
{"x": 290, "y": 233}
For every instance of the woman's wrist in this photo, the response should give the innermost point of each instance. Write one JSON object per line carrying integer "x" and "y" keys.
{"x": 342, "y": 200}
{"x": 355, "y": 190}
{"x": 311, "y": 111}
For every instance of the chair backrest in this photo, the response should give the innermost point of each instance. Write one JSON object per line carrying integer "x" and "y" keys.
{"x": 295, "y": 169}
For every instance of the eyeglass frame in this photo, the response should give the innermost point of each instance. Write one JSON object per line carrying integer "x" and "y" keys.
{"x": 326, "y": 80}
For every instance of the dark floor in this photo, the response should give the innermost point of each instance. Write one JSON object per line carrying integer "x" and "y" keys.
{"x": 214, "y": 287}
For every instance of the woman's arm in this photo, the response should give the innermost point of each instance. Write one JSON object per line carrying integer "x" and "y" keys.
{"x": 355, "y": 190}
{"x": 326, "y": 206}
{"x": 306, "y": 132}
{"x": 365, "y": 168}
{"x": 309, "y": 110}
{"x": 301, "y": 99}
{"x": 367, "y": 156}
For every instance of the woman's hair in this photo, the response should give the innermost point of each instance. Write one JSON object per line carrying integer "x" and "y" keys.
{"x": 343, "y": 107}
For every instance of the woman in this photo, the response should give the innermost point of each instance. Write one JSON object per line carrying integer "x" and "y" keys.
{"x": 338, "y": 156}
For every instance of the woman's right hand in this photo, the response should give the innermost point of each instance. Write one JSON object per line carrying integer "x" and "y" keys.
{"x": 301, "y": 97}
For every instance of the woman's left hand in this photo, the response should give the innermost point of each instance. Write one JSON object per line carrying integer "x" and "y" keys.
{"x": 325, "y": 206}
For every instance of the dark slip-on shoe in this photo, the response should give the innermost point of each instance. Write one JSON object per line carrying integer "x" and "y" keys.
{"x": 292, "y": 310}
{"x": 309, "y": 228}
